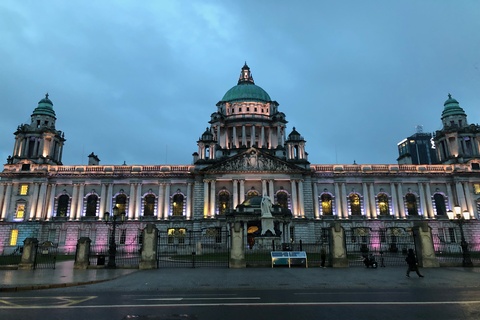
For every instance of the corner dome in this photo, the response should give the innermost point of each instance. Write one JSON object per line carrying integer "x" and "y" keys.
{"x": 246, "y": 89}
{"x": 452, "y": 108}
{"x": 45, "y": 108}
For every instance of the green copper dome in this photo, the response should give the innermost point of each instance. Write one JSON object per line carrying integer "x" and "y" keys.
{"x": 45, "y": 108}
{"x": 452, "y": 108}
{"x": 246, "y": 89}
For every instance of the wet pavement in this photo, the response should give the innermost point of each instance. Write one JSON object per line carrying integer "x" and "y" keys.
{"x": 223, "y": 278}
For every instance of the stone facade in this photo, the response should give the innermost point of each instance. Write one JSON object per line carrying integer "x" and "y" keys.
{"x": 244, "y": 153}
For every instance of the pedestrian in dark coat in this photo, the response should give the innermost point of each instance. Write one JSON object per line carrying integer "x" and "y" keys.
{"x": 412, "y": 262}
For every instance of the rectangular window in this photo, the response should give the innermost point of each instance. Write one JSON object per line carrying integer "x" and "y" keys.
{"x": 13, "y": 237}
{"x": 20, "y": 213}
{"x": 23, "y": 189}
{"x": 476, "y": 188}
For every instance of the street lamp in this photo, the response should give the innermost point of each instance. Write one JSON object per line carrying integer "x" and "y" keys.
{"x": 112, "y": 247}
{"x": 461, "y": 218}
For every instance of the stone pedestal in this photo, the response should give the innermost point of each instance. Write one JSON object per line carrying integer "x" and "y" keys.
{"x": 267, "y": 243}
{"x": 237, "y": 251}
{"x": 268, "y": 225}
{"x": 424, "y": 245}
{"x": 148, "y": 256}
{"x": 82, "y": 254}
{"x": 337, "y": 246}
{"x": 28, "y": 254}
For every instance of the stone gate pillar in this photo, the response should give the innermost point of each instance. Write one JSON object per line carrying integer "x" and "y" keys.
{"x": 424, "y": 245}
{"x": 338, "y": 251}
{"x": 29, "y": 252}
{"x": 148, "y": 255}
{"x": 82, "y": 254}
{"x": 237, "y": 252}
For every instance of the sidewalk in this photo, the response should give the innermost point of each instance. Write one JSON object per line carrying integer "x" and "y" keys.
{"x": 62, "y": 276}
{"x": 222, "y": 278}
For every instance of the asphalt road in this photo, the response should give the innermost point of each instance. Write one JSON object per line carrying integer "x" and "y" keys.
{"x": 235, "y": 304}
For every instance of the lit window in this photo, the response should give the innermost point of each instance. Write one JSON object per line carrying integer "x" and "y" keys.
{"x": 476, "y": 188}
{"x": 20, "y": 213}
{"x": 13, "y": 237}
{"x": 23, "y": 189}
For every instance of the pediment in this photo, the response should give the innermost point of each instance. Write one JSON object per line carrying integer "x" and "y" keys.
{"x": 253, "y": 160}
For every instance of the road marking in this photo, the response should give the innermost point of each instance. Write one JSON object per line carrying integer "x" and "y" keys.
{"x": 23, "y": 302}
{"x": 254, "y": 304}
{"x": 187, "y": 298}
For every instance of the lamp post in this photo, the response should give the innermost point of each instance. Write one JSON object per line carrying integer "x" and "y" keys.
{"x": 112, "y": 245}
{"x": 461, "y": 218}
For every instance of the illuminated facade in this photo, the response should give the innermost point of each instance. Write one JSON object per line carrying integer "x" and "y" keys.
{"x": 245, "y": 152}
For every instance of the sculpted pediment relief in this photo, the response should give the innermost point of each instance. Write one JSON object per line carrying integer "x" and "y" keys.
{"x": 253, "y": 160}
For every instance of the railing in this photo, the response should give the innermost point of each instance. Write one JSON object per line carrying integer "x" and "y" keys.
{"x": 126, "y": 256}
{"x": 11, "y": 257}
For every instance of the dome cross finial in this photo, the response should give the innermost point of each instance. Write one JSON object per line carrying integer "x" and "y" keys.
{"x": 46, "y": 95}
{"x": 449, "y": 96}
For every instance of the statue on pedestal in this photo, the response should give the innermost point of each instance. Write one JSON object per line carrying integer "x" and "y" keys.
{"x": 267, "y": 218}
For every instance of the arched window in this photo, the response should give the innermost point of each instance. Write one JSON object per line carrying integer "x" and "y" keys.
{"x": 282, "y": 199}
{"x": 326, "y": 204}
{"x": 149, "y": 205}
{"x": 411, "y": 202}
{"x": 355, "y": 204}
{"x": 440, "y": 206}
{"x": 177, "y": 204}
{"x": 91, "y": 210}
{"x": 223, "y": 202}
{"x": 62, "y": 205}
{"x": 121, "y": 203}
{"x": 383, "y": 206}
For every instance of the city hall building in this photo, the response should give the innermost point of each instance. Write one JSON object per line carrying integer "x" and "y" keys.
{"x": 247, "y": 151}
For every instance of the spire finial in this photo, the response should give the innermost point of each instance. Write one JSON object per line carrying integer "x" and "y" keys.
{"x": 46, "y": 95}
{"x": 449, "y": 96}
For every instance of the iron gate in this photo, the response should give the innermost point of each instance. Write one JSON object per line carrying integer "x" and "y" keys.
{"x": 46, "y": 255}
{"x": 181, "y": 248}
{"x": 389, "y": 245}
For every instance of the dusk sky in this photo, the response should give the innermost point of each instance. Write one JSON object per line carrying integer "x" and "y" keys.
{"x": 137, "y": 81}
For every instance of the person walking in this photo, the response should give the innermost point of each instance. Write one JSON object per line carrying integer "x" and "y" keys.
{"x": 323, "y": 257}
{"x": 412, "y": 262}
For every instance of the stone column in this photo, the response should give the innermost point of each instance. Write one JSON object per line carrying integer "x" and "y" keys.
{"x": 103, "y": 200}
{"x": 237, "y": 252}
{"x": 148, "y": 256}
{"x": 166, "y": 203}
{"x": 423, "y": 202}
{"x": 252, "y": 138}
{"x": 316, "y": 212}
{"x": 160, "y": 201}
{"x": 205, "y": 198}
{"x": 344, "y": 200}
{"x": 401, "y": 206}
{"x": 131, "y": 204}
{"x": 394, "y": 200}
{"x": 428, "y": 199}
{"x": 28, "y": 254}
{"x": 301, "y": 206}
{"x": 244, "y": 136}
{"x": 41, "y": 201}
{"x": 424, "y": 245}
{"x": 6, "y": 201}
{"x": 294, "y": 198}
{"x": 81, "y": 194}
{"x": 338, "y": 201}
{"x": 338, "y": 250}
{"x": 138, "y": 202}
{"x": 235, "y": 137}
{"x": 235, "y": 193}
{"x": 271, "y": 190}
{"x": 366, "y": 201}
{"x": 83, "y": 251}
{"x": 373, "y": 204}
{"x": 189, "y": 201}
{"x": 73, "y": 204}
{"x": 51, "y": 201}
{"x": 242, "y": 191}
{"x": 264, "y": 187}
{"x": 109, "y": 200}
{"x": 33, "y": 202}
{"x": 212, "y": 199}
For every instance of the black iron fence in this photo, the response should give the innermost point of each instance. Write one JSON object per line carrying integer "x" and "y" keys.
{"x": 126, "y": 256}
{"x": 192, "y": 249}
{"x": 11, "y": 257}
{"x": 46, "y": 255}
{"x": 449, "y": 252}
{"x": 389, "y": 246}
